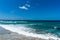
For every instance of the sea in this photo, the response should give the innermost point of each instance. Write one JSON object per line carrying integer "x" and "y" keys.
{"x": 33, "y": 28}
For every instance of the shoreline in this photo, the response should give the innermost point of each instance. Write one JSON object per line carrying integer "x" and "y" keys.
{"x": 16, "y": 36}
{"x": 9, "y": 35}
{"x": 13, "y": 35}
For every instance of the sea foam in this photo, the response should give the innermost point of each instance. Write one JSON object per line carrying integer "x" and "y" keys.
{"x": 21, "y": 29}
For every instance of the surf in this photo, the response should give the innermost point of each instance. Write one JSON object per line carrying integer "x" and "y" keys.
{"x": 21, "y": 29}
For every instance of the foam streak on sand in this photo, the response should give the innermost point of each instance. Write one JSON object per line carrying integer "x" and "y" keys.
{"x": 21, "y": 30}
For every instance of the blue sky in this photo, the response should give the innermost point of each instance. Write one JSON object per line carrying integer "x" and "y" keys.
{"x": 30, "y": 9}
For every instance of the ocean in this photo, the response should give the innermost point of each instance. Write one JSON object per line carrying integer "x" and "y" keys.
{"x": 39, "y": 29}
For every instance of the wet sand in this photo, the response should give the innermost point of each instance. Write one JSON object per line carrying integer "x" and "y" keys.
{"x": 8, "y": 35}
{"x": 15, "y": 36}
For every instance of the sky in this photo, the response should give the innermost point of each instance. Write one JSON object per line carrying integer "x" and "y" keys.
{"x": 30, "y": 9}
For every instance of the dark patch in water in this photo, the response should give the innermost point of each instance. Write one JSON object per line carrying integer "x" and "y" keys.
{"x": 58, "y": 28}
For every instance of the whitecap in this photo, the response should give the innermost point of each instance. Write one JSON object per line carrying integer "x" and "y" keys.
{"x": 21, "y": 29}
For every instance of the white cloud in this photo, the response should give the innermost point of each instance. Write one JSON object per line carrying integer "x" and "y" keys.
{"x": 23, "y": 7}
{"x": 27, "y": 5}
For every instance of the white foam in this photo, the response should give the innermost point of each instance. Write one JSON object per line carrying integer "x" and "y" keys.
{"x": 20, "y": 29}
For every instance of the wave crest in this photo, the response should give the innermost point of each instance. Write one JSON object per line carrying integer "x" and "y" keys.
{"x": 21, "y": 29}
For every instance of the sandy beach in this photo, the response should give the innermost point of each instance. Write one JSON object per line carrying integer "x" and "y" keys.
{"x": 8, "y": 35}
{"x": 15, "y": 36}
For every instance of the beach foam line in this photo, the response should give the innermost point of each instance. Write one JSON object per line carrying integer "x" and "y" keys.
{"x": 20, "y": 30}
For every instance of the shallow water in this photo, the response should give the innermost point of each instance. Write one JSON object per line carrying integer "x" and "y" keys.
{"x": 34, "y": 28}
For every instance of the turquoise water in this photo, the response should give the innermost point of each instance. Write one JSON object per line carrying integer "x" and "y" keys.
{"x": 39, "y": 27}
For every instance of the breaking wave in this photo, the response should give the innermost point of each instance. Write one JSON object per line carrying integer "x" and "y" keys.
{"x": 21, "y": 29}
